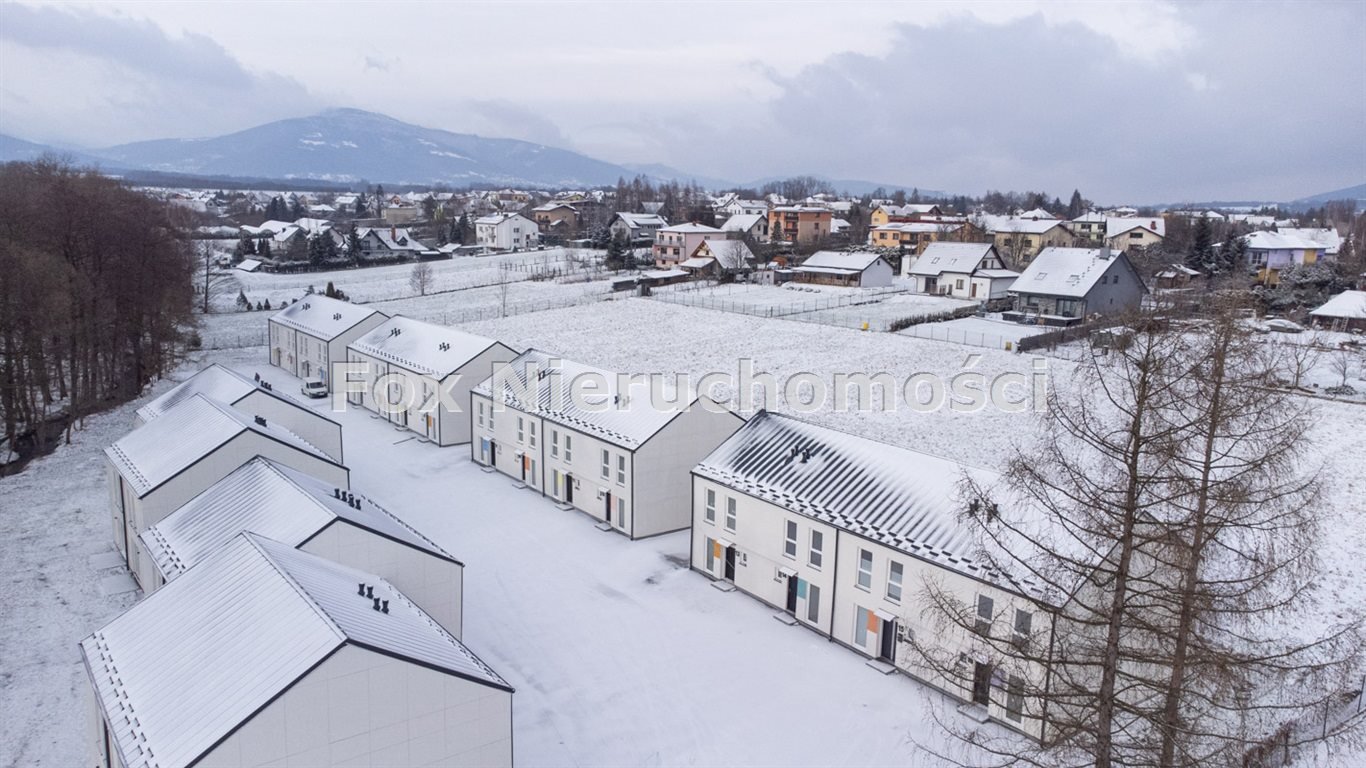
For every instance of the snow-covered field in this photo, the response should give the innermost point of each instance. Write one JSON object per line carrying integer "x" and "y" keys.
{"x": 991, "y": 332}
{"x": 875, "y": 308}
{"x": 619, "y": 654}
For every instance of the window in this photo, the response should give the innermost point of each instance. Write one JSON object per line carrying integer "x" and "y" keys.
{"x": 521, "y": 430}
{"x": 865, "y": 569}
{"x": 555, "y": 443}
{"x": 711, "y": 555}
{"x": 1024, "y": 621}
{"x": 710, "y": 512}
{"x": 568, "y": 448}
{"x": 813, "y": 603}
{"x": 730, "y": 513}
{"x": 481, "y": 414}
{"x": 790, "y": 539}
{"x": 1015, "y": 698}
{"x": 894, "y": 574}
{"x": 621, "y": 512}
{"x": 861, "y": 617}
{"x": 985, "y": 606}
{"x": 621, "y": 469}
{"x": 816, "y": 554}
{"x": 606, "y": 464}
{"x": 533, "y": 434}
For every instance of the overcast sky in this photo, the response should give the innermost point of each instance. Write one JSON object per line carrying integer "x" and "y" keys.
{"x": 1130, "y": 102}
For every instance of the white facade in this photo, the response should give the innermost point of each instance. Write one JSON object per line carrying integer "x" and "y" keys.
{"x": 506, "y": 232}
{"x": 432, "y": 366}
{"x": 628, "y": 470}
{"x": 309, "y": 335}
{"x": 766, "y": 520}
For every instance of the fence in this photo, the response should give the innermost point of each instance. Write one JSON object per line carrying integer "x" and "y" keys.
{"x": 235, "y": 339}
{"x": 960, "y": 336}
{"x": 474, "y": 314}
{"x": 822, "y": 310}
{"x": 1280, "y": 748}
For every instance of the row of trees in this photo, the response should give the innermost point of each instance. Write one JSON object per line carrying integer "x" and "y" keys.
{"x": 1170, "y": 513}
{"x": 95, "y": 287}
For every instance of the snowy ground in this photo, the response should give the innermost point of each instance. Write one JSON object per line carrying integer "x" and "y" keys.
{"x": 620, "y": 655}
{"x": 875, "y": 308}
{"x": 991, "y": 332}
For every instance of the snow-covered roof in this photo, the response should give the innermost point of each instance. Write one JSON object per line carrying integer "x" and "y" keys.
{"x": 1276, "y": 241}
{"x": 1327, "y": 237}
{"x": 801, "y": 209}
{"x": 997, "y": 274}
{"x": 638, "y": 220}
{"x": 272, "y": 500}
{"x": 160, "y": 449}
{"x": 696, "y": 262}
{"x": 392, "y": 238}
{"x": 624, "y": 416}
{"x": 1348, "y": 304}
{"x": 742, "y": 222}
{"x": 1037, "y": 213}
{"x": 214, "y": 382}
{"x": 732, "y": 251}
{"x": 909, "y": 209}
{"x": 249, "y": 265}
{"x": 431, "y": 350}
{"x": 849, "y": 261}
{"x": 185, "y": 667}
{"x": 322, "y": 317}
{"x": 662, "y": 274}
{"x": 1068, "y": 272}
{"x": 904, "y": 499}
{"x": 691, "y": 227}
{"x": 1019, "y": 226}
{"x": 1090, "y": 217}
{"x": 940, "y": 257}
{"x": 495, "y": 219}
{"x": 1116, "y": 227}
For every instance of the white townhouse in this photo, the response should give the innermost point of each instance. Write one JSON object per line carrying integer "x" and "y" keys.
{"x": 159, "y": 466}
{"x": 297, "y": 509}
{"x": 843, "y": 534}
{"x": 962, "y": 270}
{"x": 614, "y": 451}
{"x": 425, "y": 373}
{"x": 257, "y": 398}
{"x": 307, "y": 336}
{"x": 263, "y": 655}
{"x": 506, "y": 231}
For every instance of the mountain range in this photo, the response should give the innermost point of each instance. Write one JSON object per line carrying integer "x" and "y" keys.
{"x": 350, "y": 145}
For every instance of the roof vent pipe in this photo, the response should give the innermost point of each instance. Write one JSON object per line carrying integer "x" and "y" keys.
{"x": 806, "y": 454}
{"x": 360, "y": 589}
{"x": 370, "y": 591}
{"x": 376, "y": 605}
{"x": 336, "y": 493}
{"x": 385, "y": 608}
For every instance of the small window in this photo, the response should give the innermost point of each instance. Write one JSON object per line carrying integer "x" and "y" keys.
{"x": 621, "y": 512}
{"x": 1015, "y": 698}
{"x": 606, "y": 464}
{"x": 730, "y": 513}
{"x": 813, "y": 603}
{"x": 568, "y": 447}
{"x": 817, "y": 546}
{"x": 521, "y": 430}
{"x": 985, "y": 607}
{"x": 710, "y": 512}
{"x": 481, "y": 414}
{"x": 894, "y": 575}
{"x": 621, "y": 469}
{"x": 555, "y": 443}
{"x": 790, "y": 539}
{"x": 1024, "y": 623}
{"x": 865, "y": 569}
{"x": 533, "y": 434}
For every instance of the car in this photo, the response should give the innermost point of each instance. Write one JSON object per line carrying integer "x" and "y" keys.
{"x": 1283, "y": 326}
{"x": 314, "y": 387}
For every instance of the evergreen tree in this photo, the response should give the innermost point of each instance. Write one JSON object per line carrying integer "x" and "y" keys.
{"x": 360, "y": 206}
{"x": 379, "y": 200}
{"x": 243, "y": 303}
{"x": 1076, "y": 206}
{"x": 296, "y": 211}
{"x": 1202, "y": 246}
{"x": 267, "y": 304}
{"x": 616, "y": 253}
{"x": 353, "y": 249}
{"x": 263, "y": 248}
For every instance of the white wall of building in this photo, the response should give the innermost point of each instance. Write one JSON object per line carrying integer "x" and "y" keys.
{"x": 317, "y": 429}
{"x": 662, "y": 483}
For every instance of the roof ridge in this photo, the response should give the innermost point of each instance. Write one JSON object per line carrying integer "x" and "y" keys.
{"x": 254, "y": 540}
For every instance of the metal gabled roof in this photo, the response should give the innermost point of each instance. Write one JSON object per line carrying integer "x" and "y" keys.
{"x": 627, "y": 418}
{"x": 323, "y": 317}
{"x": 904, "y": 499}
{"x": 186, "y": 667}
{"x": 160, "y": 449}
{"x": 271, "y": 500}
{"x": 430, "y": 350}
{"x": 214, "y": 382}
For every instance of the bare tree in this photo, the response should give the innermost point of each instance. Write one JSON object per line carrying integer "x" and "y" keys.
{"x": 215, "y": 282}
{"x": 1340, "y": 361}
{"x": 421, "y": 278}
{"x": 1298, "y": 356}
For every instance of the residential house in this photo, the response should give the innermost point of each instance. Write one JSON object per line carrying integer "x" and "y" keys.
{"x": 1134, "y": 234}
{"x": 388, "y": 243}
{"x": 913, "y": 236}
{"x": 506, "y": 232}
{"x": 1062, "y": 286}
{"x": 1344, "y": 312}
{"x": 253, "y": 397}
{"x": 729, "y": 255}
{"x": 1037, "y": 214}
{"x": 799, "y": 224}
{"x": 1020, "y": 240}
{"x": 637, "y": 228}
{"x": 738, "y": 207}
{"x": 556, "y": 219}
{"x": 418, "y": 375}
{"x": 676, "y": 243}
{"x": 751, "y": 225}
{"x": 858, "y": 269}
{"x": 159, "y": 466}
{"x": 301, "y": 511}
{"x": 1089, "y": 228}
{"x": 616, "y": 450}
{"x": 309, "y": 335}
{"x": 1178, "y": 275}
{"x": 1327, "y": 237}
{"x": 1269, "y": 253}
{"x": 263, "y": 655}
{"x": 845, "y": 535}
{"x": 961, "y": 270}
{"x": 888, "y": 214}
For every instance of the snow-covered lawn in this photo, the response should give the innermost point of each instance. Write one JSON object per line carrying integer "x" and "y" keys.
{"x": 877, "y": 308}
{"x": 619, "y": 654}
{"x": 991, "y": 332}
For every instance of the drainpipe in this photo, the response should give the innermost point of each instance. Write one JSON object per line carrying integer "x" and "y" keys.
{"x": 834, "y": 587}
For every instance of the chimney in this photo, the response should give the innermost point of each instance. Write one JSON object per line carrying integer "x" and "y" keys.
{"x": 384, "y": 606}
{"x": 376, "y": 605}
{"x": 360, "y": 589}
{"x": 1104, "y": 253}
{"x": 261, "y": 420}
{"x": 370, "y": 592}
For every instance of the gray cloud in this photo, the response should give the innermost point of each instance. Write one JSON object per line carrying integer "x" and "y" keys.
{"x": 506, "y": 119}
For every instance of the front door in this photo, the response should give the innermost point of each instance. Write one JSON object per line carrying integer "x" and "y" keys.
{"x": 569, "y": 489}
{"x": 607, "y": 507}
{"x": 973, "y": 292}
{"x": 493, "y": 454}
{"x": 981, "y": 684}
{"x": 791, "y": 605}
{"x": 888, "y": 634}
{"x": 729, "y": 573}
